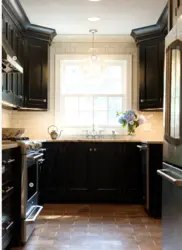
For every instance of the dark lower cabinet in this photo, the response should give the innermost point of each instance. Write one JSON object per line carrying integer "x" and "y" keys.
{"x": 11, "y": 201}
{"x": 50, "y": 175}
{"x": 131, "y": 172}
{"x": 91, "y": 172}
{"x": 104, "y": 164}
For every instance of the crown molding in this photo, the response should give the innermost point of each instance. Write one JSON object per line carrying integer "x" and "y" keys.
{"x": 97, "y": 38}
{"x": 21, "y": 21}
{"x": 152, "y": 31}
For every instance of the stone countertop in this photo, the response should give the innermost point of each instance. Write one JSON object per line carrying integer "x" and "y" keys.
{"x": 9, "y": 145}
{"x": 118, "y": 139}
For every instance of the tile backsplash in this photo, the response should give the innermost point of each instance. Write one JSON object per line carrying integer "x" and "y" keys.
{"x": 6, "y": 118}
{"x": 36, "y": 123}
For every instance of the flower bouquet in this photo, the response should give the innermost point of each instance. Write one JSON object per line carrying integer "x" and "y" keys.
{"x": 131, "y": 119}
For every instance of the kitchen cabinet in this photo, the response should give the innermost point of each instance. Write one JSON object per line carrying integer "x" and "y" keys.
{"x": 35, "y": 73}
{"x": 91, "y": 172}
{"x": 150, "y": 41}
{"x": 76, "y": 171}
{"x": 11, "y": 193}
{"x": 132, "y": 177}
{"x": 151, "y": 67}
{"x": 50, "y": 175}
{"x": 12, "y": 88}
{"x": 29, "y": 44}
{"x": 105, "y": 172}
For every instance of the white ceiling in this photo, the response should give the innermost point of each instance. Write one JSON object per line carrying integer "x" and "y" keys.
{"x": 70, "y": 16}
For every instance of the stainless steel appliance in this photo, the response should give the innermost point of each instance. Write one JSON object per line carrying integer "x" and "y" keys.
{"x": 151, "y": 158}
{"x": 32, "y": 159}
{"x": 171, "y": 172}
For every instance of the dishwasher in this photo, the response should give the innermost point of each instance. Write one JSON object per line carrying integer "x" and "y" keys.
{"x": 171, "y": 206}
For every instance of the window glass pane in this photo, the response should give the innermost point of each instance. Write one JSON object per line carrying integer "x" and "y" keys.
{"x": 115, "y": 104}
{"x": 112, "y": 119}
{"x": 85, "y": 103}
{"x": 71, "y": 117}
{"x": 100, "y": 117}
{"x": 100, "y": 103}
{"x": 85, "y": 118}
{"x": 85, "y": 77}
{"x": 71, "y": 103}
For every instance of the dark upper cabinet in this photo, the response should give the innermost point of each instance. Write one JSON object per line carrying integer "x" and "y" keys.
{"x": 151, "y": 44}
{"x": 35, "y": 73}
{"x": 151, "y": 68}
{"x": 29, "y": 44}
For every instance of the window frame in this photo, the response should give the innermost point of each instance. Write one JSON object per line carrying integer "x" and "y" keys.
{"x": 58, "y": 106}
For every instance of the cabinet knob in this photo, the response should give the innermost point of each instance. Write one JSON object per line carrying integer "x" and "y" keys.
{"x": 90, "y": 149}
{"x": 44, "y": 100}
{"x": 95, "y": 149}
{"x": 141, "y": 100}
{"x": 20, "y": 96}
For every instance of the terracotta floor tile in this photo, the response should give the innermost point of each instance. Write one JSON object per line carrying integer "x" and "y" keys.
{"x": 94, "y": 227}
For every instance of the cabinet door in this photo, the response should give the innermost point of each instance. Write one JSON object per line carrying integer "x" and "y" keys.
{"x": 151, "y": 54}
{"x": 132, "y": 174}
{"x": 49, "y": 179}
{"x": 36, "y": 80}
{"x": 76, "y": 173}
{"x": 104, "y": 166}
{"x": 18, "y": 89}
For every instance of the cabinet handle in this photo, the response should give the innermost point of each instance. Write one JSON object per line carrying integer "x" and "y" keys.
{"x": 10, "y": 161}
{"x": 90, "y": 149}
{"x": 10, "y": 225}
{"x": 44, "y": 100}
{"x": 95, "y": 149}
{"x": 42, "y": 150}
{"x": 8, "y": 190}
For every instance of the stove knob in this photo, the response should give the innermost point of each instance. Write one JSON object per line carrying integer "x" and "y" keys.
{"x": 28, "y": 147}
{"x": 37, "y": 145}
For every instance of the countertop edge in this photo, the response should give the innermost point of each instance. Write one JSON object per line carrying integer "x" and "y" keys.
{"x": 106, "y": 140}
{"x": 9, "y": 146}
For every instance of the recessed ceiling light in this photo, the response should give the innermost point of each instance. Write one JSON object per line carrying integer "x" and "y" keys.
{"x": 95, "y": 0}
{"x": 94, "y": 19}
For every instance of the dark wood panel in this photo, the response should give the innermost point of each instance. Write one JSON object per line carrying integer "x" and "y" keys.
{"x": 151, "y": 58}
{"x": 36, "y": 78}
{"x": 91, "y": 172}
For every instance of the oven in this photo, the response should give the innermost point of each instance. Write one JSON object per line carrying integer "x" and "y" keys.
{"x": 30, "y": 209}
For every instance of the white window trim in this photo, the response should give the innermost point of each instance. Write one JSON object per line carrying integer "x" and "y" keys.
{"x": 60, "y": 57}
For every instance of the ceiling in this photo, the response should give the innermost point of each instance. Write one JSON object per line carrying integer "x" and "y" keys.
{"x": 69, "y": 17}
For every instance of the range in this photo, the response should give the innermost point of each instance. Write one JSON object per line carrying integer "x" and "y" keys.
{"x": 32, "y": 158}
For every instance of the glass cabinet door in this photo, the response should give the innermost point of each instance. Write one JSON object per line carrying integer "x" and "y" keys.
{"x": 173, "y": 93}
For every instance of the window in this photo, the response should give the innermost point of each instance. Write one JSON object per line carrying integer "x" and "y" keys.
{"x": 92, "y": 92}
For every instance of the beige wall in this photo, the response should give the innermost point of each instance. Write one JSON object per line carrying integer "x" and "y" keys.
{"x": 36, "y": 123}
{"x": 6, "y": 118}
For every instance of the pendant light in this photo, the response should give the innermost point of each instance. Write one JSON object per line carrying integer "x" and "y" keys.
{"x": 93, "y": 57}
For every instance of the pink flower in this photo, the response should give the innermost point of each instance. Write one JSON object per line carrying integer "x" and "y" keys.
{"x": 141, "y": 120}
